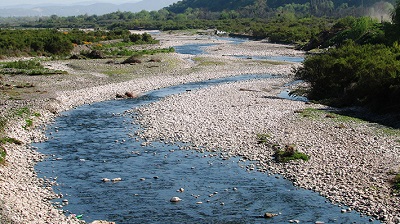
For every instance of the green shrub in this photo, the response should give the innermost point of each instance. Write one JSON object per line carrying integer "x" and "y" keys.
{"x": 367, "y": 75}
{"x": 289, "y": 153}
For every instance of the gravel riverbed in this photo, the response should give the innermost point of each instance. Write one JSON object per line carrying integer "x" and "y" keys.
{"x": 351, "y": 162}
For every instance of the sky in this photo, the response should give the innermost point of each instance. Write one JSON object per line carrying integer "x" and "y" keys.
{"x": 68, "y": 2}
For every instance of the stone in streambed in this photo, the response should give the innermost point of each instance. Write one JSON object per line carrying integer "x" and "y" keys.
{"x": 268, "y": 215}
{"x": 175, "y": 199}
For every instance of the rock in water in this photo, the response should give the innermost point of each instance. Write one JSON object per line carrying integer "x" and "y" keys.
{"x": 268, "y": 215}
{"x": 175, "y": 199}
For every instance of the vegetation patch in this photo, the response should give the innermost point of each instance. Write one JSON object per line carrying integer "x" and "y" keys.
{"x": 263, "y": 138}
{"x": 363, "y": 75}
{"x": 309, "y": 112}
{"x": 10, "y": 140}
{"x": 207, "y": 62}
{"x": 27, "y": 67}
{"x": 396, "y": 183}
{"x": 289, "y": 153}
{"x": 3, "y": 124}
{"x": 28, "y": 123}
{"x": 21, "y": 112}
{"x": 3, "y": 155}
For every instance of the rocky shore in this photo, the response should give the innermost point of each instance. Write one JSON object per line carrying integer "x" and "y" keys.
{"x": 351, "y": 162}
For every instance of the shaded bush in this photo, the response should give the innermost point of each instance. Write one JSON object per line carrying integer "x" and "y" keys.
{"x": 367, "y": 75}
{"x": 132, "y": 60}
{"x": 96, "y": 54}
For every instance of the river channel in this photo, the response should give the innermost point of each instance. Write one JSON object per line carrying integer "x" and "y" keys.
{"x": 95, "y": 141}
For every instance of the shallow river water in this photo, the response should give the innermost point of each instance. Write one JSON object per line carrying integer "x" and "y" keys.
{"x": 96, "y": 141}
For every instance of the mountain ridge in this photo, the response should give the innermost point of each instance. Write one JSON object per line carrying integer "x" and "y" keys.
{"x": 77, "y": 9}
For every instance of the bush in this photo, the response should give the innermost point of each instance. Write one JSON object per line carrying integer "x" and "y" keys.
{"x": 132, "y": 60}
{"x": 367, "y": 75}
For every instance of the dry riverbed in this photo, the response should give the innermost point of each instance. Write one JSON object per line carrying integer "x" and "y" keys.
{"x": 351, "y": 161}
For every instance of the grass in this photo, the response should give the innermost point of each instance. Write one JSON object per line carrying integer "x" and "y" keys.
{"x": 396, "y": 183}
{"x": 3, "y": 124}
{"x": 263, "y": 138}
{"x": 207, "y": 62}
{"x": 309, "y": 112}
{"x": 3, "y": 155}
{"x": 318, "y": 113}
{"x": 30, "y": 67}
{"x": 391, "y": 131}
{"x": 128, "y": 52}
{"x": 29, "y": 123}
{"x": 288, "y": 154}
{"x": 21, "y": 112}
{"x": 10, "y": 140}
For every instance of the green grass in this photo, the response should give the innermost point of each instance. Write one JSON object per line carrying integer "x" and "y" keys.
{"x": 263, "y": 138}
{"x": 288, "y": 154}
{"x": 309, "y": 112}
{"x": 31, "y": 64}
{"x": 21, "y": 112}
{"x": 391, "y": 131}
{"x": 128, "y": 52}
{"x": 396, "y": 183}
{"x": 318, "y": 113}
{"x": 30, "y": 67}
{"x": 3, "y": 124}
{"x": 10, "y": 140}
{"x": 29, "y": 123}
{"x": 207, "y": 62}
{"x": 3, "y": 155}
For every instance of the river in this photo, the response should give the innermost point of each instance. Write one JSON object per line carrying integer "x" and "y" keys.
{"x": 95, "y": 141}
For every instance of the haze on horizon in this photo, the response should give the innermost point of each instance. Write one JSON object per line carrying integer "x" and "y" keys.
{"x": 8, "y": 3}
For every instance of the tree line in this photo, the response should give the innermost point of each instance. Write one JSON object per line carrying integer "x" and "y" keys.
{"x": 48, "y": 42}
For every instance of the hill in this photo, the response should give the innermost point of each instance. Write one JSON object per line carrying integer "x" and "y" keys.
{"x": 81, "y": 9}
{"x": 220, "y": 5}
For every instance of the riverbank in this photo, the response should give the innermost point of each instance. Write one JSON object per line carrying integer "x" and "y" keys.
{"x": 351, "y": 161}
{"x": 26, "y": 199}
